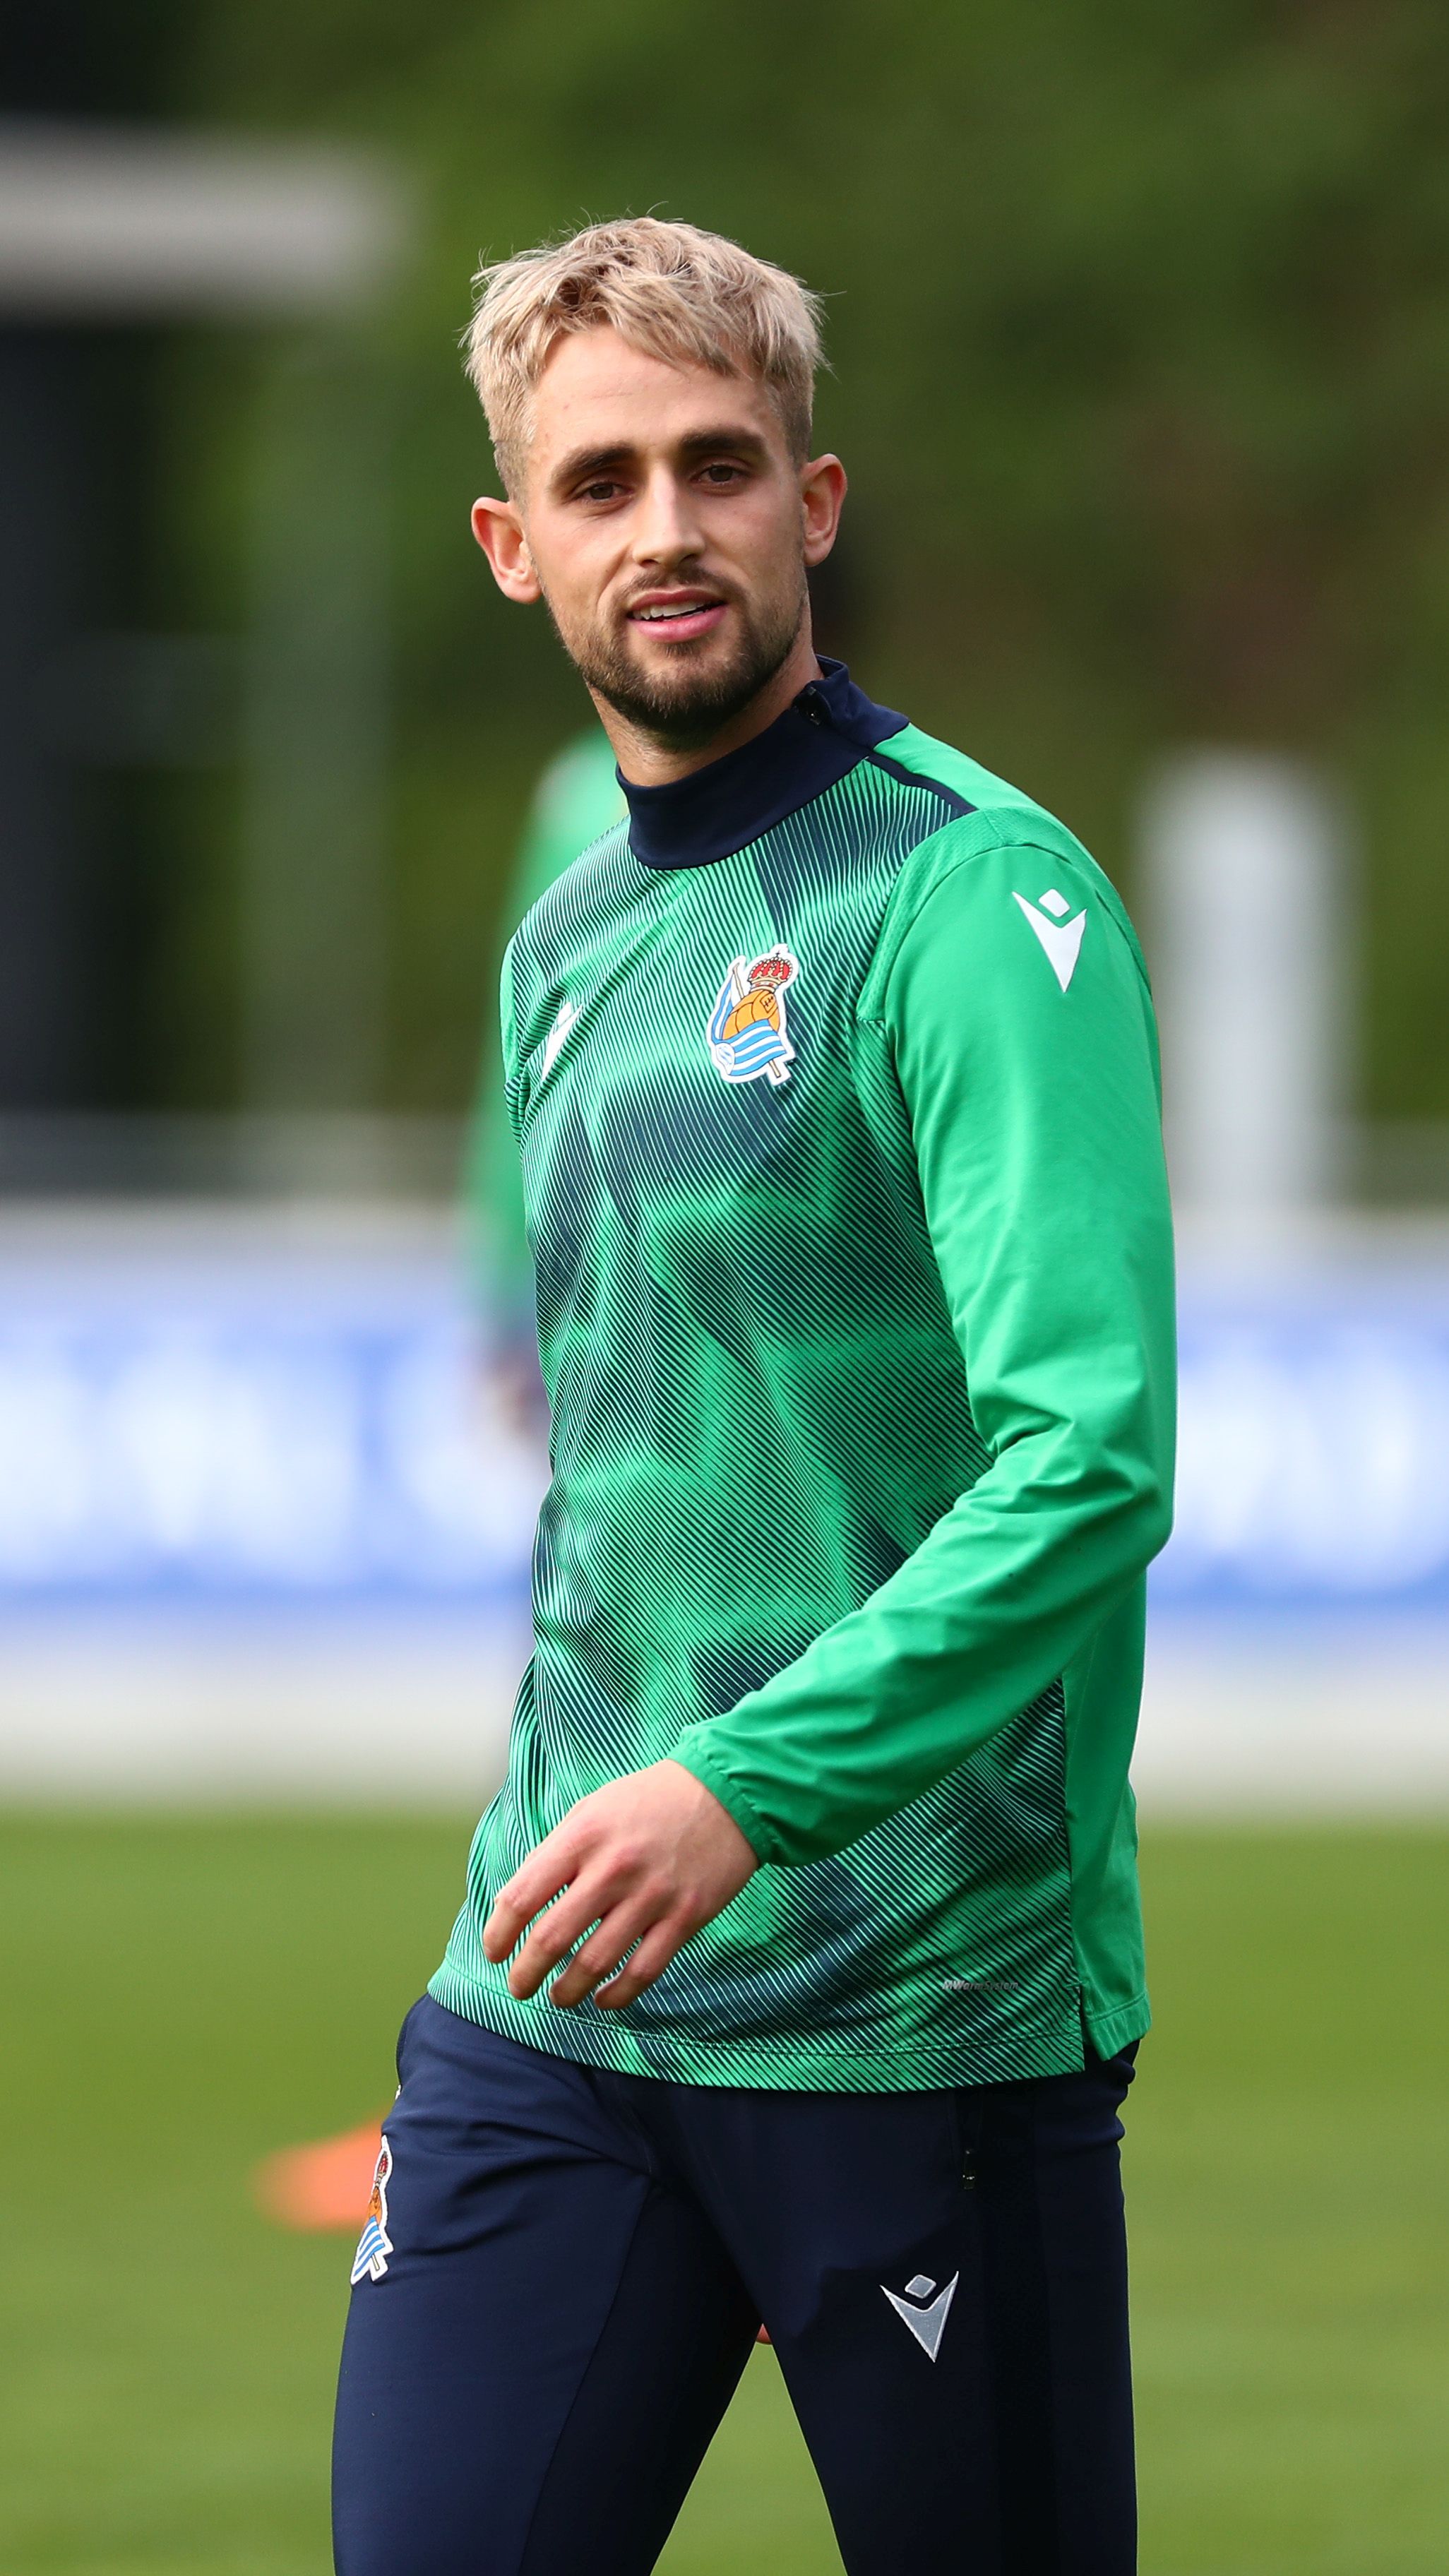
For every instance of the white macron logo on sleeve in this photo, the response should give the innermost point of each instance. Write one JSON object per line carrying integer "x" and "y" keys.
{"x": 1062, "y": 939}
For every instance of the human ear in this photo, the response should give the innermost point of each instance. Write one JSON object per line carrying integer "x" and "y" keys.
{"x": 822, "y": 498}
{"x": 499, "y": 530}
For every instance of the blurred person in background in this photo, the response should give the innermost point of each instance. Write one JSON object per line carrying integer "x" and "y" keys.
{"x": 577, "y": 799}
{"x": 833, "y": 1077}
{"x": 327, "y": 2183}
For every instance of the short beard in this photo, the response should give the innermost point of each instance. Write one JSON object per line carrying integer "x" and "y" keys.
{"x": 686, "y": 710}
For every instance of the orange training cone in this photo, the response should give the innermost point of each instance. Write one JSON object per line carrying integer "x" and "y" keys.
{"x": 323, "y": 2186}
{"x": 328, "y": 2185}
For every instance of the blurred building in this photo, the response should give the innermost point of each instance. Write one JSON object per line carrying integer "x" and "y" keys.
{"x": 116, "y": 235}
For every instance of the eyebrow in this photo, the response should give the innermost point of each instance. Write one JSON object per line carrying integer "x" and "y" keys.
{"x": 586, "y": 461}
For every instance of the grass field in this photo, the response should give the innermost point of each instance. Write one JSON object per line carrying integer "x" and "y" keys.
{"x": 182, "y": 1995}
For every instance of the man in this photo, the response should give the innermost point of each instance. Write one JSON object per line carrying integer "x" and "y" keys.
{"x": 799, "y": 1973}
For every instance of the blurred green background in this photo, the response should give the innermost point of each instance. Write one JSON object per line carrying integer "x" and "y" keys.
{"x": 1139, "y": 321}
{"x": 1140, "y": 328}
{"x": 185, "y": 1995}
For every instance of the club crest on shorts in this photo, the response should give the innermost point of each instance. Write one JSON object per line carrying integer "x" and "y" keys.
{"x": 375, "y": 2244}
{"x": 747, "y": 1032}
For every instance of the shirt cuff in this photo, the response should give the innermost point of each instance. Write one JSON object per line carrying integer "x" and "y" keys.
{"x": 696, "y": 1754}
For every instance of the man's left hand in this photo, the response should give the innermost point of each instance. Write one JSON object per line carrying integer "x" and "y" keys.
{"x": 646, "y": 1860}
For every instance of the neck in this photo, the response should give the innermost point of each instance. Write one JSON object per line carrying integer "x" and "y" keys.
{"x": 648, "y": 762}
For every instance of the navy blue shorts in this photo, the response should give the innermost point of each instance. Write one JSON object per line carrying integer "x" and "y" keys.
{"x": 567, "y": 2269}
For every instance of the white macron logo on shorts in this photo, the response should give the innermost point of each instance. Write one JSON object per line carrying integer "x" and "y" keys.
{"x": 927, "y": 2323}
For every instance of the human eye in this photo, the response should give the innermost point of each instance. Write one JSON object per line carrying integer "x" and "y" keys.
{"x": 721, "y": 473}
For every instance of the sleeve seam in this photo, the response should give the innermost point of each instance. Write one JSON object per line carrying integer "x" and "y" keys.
{"x": 964, "y": 859}
{"x": 898, "y": 929}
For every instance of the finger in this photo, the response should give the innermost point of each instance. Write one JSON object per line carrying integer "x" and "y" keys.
{"x": 553, "y": 1936}
{"x": 653, "y": 1955}
{"x": 603, "y": 1950}
{"x": 510, "y": 1918}
{"x": 580, "y": 1910}
{"x": 545, "y": 1872}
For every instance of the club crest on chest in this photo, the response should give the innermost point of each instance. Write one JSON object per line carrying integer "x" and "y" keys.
{"x": 748, "y": 1036}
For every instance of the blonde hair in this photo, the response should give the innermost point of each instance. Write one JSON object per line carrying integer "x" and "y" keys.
{"x": 689, "y": 297}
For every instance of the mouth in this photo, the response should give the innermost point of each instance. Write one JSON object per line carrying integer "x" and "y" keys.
{"x": 678, "y": 616}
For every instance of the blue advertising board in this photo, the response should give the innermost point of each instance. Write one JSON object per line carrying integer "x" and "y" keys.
{"x": 210, "y": 1427}
{"x": 215, "y": 1428}
{"x": 1313, "y": 1462}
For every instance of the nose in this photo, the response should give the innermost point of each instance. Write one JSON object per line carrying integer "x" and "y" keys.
{"x": 667, "y": 529}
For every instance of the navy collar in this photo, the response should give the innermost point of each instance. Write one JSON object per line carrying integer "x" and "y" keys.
{"x": 720, "y": 809}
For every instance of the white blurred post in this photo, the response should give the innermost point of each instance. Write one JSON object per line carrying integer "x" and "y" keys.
{"x": 1247, "y": 911}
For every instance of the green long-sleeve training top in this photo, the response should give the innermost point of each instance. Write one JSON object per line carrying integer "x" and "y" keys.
{"x": 834, "y": 1080}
